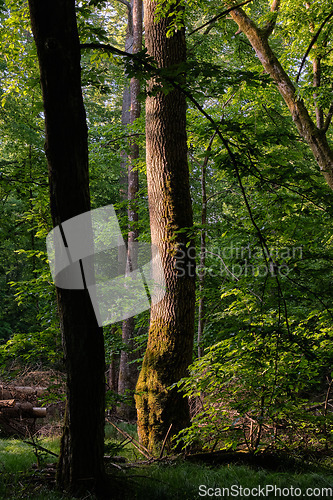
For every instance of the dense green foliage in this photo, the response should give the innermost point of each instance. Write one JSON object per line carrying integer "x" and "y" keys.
{"x": 268, "y": 271}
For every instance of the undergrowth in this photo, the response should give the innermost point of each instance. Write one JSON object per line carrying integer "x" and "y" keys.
{"x": 170, "y": 479}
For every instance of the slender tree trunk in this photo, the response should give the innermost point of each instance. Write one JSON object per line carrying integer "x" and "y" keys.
{"x": 53, "y": 23}
{"x": 112, "y": 374}
{"x": 314, "y": 136}
{"x": 201, "y": 308}
{"x": 120, "y": 373}
{"x": 316, "y": 68}
{"x": 201, "y": 274}
{"x": 128, "y": 373}
{"x": 114, "y": 367}
{"x": 126, "y": 107}
{"x": 170, "y": 342}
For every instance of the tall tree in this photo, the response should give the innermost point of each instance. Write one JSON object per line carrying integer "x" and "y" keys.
{"x": 55, "y": 32}
{"x": 170, "y": 342}
{"x": 315, "y": 134}
{"x": 128, "y": 372}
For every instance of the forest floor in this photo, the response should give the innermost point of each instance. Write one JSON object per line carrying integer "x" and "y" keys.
{"x": 28, "y": 473}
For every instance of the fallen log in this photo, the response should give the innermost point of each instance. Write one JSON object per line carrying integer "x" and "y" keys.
{"x": 30, "y": 390}
{"x": 7, "y": 392}
{"x": 22, "y": 410}
{"x": 39, "y": 412}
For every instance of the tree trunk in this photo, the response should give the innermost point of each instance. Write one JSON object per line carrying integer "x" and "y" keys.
{"x": 128, "y": 372}
{"x": 126, "y": 108}
{"x": 315, "y": 137}
{"x": 202, "y": 272}
{"x": 115, "y": 368}
{"x": 170, "y": 342}
{"x": 53, "y": 22}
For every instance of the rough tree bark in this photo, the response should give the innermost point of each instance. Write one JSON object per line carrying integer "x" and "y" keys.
{"x": 128, "y": 373}
{"x": 314, "y": 136}
{"x": 54, "y": 28}
{"x": 170, "y": 342}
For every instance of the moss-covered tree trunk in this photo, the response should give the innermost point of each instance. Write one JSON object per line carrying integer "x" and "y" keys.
{"x": 53, "y": 23}
{"x": 170, "y": 341}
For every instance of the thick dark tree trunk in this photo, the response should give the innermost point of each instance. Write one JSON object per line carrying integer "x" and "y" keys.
{"x": 53, "y": 22}
{"x": 170, "y": 343}
{"x": 128, "y": 372}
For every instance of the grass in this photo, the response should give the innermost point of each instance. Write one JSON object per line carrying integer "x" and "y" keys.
{"x": 19, "y": 474}
{"x": 116, "y": 444}
{"x": 17, "y": 456}
{"x": 182, "y": 482}
{"x": 176, "y": 480}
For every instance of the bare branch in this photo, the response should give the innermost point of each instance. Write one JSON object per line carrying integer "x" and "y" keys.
{"x": 135, "y": 443}
{"x": 316, "y": 66}
{"x": 313, "y": 41}
{"x": 224, "y": 13}
{"x": 106, "y": 48}
{"x": 328, "y": 118}
{"x": 164, "y": 441}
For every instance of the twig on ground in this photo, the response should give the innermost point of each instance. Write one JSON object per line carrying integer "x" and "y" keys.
{"x": 135, "y": 443}
{"x": 165, "y": 440}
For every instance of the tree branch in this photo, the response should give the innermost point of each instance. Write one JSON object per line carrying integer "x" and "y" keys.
{"x": 316, "y": 67}
{"x": 270, "y": 25}
{"x": 314, "y": 137}
{"x": 107, "y": 48}
{"x": 328, "y": 118}
{"x": 125, "y": 2}
{"x": 15, "y": 179}
{"x": 275, "y": 5}
{"x": 224, "y": 13}
{"x": 313, "y": 41}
